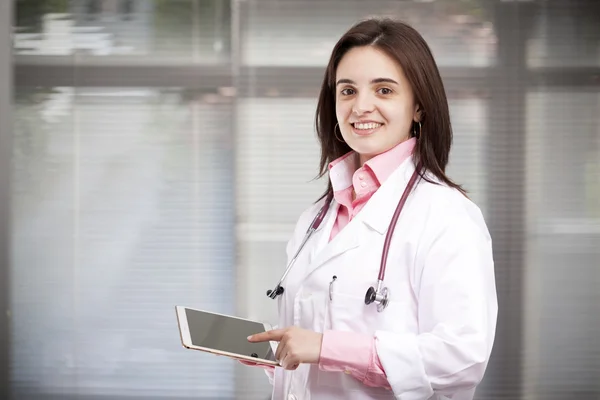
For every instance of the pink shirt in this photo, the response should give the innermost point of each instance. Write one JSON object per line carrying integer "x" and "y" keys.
{"x": 355, "y": 353}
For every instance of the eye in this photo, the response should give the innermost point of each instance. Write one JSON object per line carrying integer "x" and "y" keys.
{"x": 347, "y": 92}
{"x": 385, "y": 91}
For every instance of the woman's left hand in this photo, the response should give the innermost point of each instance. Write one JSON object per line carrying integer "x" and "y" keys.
{"x": 296, "y": 345}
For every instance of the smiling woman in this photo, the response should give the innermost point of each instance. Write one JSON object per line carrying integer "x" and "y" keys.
{"x": 384, "y": 127}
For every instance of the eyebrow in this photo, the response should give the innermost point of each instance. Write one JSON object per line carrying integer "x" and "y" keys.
{"x": 376, "y": 80}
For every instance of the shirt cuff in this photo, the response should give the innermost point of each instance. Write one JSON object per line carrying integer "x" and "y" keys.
{"x": 349, "y": 352}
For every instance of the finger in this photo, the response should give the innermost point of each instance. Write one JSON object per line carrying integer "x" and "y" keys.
{"x": 274, "y": 334}
{"x": 290, "y": 362}
{"x": 281, "y": 351}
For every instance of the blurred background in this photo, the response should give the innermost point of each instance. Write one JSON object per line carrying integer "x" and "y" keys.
{"x": 158, "y": 153}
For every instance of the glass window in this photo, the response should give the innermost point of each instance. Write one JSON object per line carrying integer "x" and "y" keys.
{"x": 563, "y": 252}
{"x": 122, "y": 208}
{"x": 278, "y": 157}
{"x": 564, "y": 141}
{"x": 303, "y": 33}
{"x": 467, "y": 165}
{"x": 163, "y": 31}
{"x": 565, "y": 34}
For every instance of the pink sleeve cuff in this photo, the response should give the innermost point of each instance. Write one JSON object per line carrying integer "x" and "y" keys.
{"x": 354, "y": 354}
{"x": 349, "y": 352}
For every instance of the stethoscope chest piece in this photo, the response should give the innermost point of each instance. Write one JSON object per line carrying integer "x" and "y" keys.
{"x": 379, "y": 296}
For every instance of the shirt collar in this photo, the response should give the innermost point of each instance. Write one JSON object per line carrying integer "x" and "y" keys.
{"x": 342, "y": 169}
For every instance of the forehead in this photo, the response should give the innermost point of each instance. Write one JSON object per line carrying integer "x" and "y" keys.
{"x": 366, "y": 63}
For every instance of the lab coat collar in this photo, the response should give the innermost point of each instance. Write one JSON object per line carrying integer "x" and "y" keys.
{"x": 378, "y": 211}
{"x": 376, "y": 214}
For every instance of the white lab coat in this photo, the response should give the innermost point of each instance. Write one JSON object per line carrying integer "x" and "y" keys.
{"x": 435, "y": 337}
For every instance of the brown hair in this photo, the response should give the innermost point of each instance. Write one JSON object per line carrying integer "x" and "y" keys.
{"x": 405, "y": 45}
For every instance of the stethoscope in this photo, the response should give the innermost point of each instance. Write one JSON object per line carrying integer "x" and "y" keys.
{"x": 379, "y": 296}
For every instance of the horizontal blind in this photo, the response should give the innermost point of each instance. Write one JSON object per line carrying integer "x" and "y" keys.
{"x": 122, "y": 209}
{"x": 564, "y": 242}
{"x": 562, "y": 345}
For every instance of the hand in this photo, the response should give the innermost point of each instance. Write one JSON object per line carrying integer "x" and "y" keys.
{"x": 296, "y": 345}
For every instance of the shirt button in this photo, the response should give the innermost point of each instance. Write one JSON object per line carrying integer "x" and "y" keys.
{"x": 361, "y": 177}
{"x": 363, "y": 184}
{"x": 347, "y": 372}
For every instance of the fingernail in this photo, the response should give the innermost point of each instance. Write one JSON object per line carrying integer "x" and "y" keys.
{"x": 249, "y": 337}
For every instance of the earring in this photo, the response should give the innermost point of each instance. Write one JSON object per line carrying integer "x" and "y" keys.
{"x": 335, "y": 129}
{"x": 415, "y": 133}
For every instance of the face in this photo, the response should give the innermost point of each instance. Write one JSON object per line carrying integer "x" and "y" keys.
{"x": 375, "y": 105}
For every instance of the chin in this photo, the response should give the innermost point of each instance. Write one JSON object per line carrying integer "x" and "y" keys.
{"x": 369, "y": 151}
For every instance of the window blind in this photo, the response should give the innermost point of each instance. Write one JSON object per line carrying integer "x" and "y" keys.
{"x": 122, "y": 209}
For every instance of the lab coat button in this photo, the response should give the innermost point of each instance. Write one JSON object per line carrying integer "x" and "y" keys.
{"x": 292, "y": 397}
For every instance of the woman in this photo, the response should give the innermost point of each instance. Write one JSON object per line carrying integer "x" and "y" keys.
{"x": 383, "y": 118}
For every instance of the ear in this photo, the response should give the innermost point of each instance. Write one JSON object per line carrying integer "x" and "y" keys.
{"x": 418, "y": 114}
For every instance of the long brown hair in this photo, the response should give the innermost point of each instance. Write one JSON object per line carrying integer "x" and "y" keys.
{"x": 404, "y": 44}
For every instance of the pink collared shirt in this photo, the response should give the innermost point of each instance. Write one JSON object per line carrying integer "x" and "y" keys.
{"x": 351, "y": 352}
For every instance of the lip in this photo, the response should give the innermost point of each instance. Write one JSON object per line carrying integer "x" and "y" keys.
{"x": 363, "y": 132}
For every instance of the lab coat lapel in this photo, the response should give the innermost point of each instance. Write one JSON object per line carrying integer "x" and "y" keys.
{"x": 325, "y": 250}
{"x": 378, "y": 212}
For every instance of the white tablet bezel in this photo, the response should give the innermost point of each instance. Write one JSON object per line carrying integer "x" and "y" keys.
{"x": 186, "y": 339}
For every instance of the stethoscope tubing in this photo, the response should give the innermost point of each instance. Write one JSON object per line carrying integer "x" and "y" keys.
{"x": 316, "y": 222}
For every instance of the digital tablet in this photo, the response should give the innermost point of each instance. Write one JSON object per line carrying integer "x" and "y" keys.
{"x": 223, "y": 335}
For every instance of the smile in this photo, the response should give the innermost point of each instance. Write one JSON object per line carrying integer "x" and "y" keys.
{"x": 365, "y": 128}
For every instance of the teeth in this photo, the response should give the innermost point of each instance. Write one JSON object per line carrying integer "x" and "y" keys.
{"x": 368, "y": 126}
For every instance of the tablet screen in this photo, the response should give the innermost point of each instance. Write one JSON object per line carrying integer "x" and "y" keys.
{"x": 226, "y": 333}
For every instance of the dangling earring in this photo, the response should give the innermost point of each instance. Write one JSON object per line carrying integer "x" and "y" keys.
{"x": 416, "y": 134}
{"x": 335, "y": 129}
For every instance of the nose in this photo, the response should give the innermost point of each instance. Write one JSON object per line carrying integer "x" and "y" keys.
{"x": 364, "y": 104}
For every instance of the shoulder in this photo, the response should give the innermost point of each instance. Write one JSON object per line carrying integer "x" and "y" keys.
{"x": 450, "y": 211}
{"x": 308, "y": 214}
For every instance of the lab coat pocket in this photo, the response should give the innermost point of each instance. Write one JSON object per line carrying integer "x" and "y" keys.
{"x": 310, "y": 312}
{"x": 348, "y": 312}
